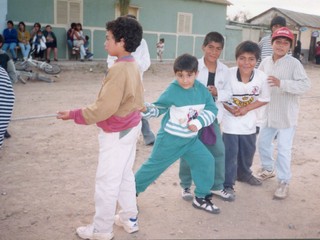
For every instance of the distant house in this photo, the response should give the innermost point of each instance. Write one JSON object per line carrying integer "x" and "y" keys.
{"x": 182, "y": 23}
{"x": 305, "y": 27}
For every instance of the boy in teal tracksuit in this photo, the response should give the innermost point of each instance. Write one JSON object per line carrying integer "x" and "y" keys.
{"x": 188, "y": 106}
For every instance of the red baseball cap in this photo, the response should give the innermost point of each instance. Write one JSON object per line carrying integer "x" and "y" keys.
{"x": 283, "y": 32}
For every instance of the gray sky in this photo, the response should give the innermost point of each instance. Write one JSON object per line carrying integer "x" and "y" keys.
{"x": 255, "y": 7}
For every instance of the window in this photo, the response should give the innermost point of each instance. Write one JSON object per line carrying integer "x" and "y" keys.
{"x": 184, "y": 23}
{"x": 68, "y": 11}
{"x": 132, "y": 11}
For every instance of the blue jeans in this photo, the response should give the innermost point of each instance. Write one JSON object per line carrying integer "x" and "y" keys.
{"x": 12, "y": 47}
{"x": 240, "y": 151}
{"x": 70, "y": 43}
{"x": 148, "y": 135}
{"x": 284, "y": 143}
{"x": 25, "y": 49}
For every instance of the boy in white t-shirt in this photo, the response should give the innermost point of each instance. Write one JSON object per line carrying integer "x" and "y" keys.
{"x": 250, "y": 91}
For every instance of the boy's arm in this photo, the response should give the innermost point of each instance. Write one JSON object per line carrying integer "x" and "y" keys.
{"x": 160, "y": 106}
{"x": 164, "y": 101}
{"x": 109, "y": 98}
{"x": 225, "y": 93}
{"x": 300, "y": 82}
{"x": 244, "y": 110}
{"x": 263, "y": 99}
{"x": 208, "y": 114}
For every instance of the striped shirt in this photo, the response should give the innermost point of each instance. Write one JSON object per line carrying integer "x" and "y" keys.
{"x": 185, "y": 107}
{"x": 283, "y": 109}
{"x": 6, "y": 102}
{"x": 266, "y": 49}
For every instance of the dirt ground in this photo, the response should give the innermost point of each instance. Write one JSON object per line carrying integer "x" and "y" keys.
{"x": 47, "y": 173}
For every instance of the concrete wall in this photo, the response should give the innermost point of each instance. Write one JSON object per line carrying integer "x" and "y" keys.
{"x": 158, "y": 18}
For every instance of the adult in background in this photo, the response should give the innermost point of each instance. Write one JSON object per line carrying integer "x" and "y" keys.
{"x": 7, "y": 63}
{"x": 70, "y": 33}
{"x": 10, "y": 35}
{"x": 6, "y": 103}
{"x": 142, "y": 57}
{"x": 79, "y": 40}
{"x": 24, "y": 39}
{"x": 318, "y": 53}
{"x": 297, "y": 50}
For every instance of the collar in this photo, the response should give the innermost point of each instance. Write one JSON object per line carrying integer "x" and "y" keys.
{"x": 128, "y": 58}
{"x": 202, "y": 65}
{"x": 239, "y": 76}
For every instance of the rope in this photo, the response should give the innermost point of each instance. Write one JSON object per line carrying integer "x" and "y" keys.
{"x": 33, "y": 117}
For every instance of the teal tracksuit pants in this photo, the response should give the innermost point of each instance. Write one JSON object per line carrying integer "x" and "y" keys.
{"x": 168, "y": 149}
{"x": 218, "y": 152}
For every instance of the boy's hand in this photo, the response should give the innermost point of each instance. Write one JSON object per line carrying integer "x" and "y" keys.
{"x": 213, "y": 90}
{"x": 273, "y": 81}
{"x": 144, "y": 109}
{"x": 64, "y": 115}
{"x": 241, "y": 111}
{"x": 150, "y": 111}
{"x": 193, "y": 128}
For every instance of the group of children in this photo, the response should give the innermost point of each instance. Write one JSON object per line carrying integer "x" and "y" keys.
{"x": 38, "y": 42}
{"x": 204, "y": 94}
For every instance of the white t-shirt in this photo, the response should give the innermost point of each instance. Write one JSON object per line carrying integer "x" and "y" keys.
{"x": 242, "y": 95}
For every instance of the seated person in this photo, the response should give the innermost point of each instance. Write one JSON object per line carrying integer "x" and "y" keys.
{"x": 78, "y": 41}
{"x": 6, "y": 63}
{"x": 23, "y": 40}
{"x": 70, "y": 33}
{"x": 89, "y": 55}
{"x": 10, "y": 35}
{"x": 39, "y": 45}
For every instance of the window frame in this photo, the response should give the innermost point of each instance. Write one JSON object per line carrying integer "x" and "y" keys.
{"x": 117, "y": 11}
{"x": 69, "y": 2}
{"x": 179, "y": 19}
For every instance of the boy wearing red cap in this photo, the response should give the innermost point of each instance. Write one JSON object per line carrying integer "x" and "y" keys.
{"x": 288, "y": 80}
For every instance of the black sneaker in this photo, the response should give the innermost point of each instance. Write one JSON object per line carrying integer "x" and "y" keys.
{"x": 205, "y": 204}
{"x": 186, "y": 194}
{"x": 7, "y": 135}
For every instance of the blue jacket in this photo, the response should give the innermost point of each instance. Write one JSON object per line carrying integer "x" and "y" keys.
{"x": 10, "y": 35}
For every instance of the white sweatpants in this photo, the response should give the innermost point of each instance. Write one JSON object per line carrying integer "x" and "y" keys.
{"x": 115, "y": 180}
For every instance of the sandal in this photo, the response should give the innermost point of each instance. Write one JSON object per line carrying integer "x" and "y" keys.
{"x": 205, "y": 204}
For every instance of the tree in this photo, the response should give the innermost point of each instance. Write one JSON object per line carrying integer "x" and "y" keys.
{"x": 241, "y": 16}
{"x": 124, "y": 7}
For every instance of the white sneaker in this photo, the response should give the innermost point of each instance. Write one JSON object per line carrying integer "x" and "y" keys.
{"x": 88, "y": 232}
{"x": 130, "y": 226}
{"x": 224, "y": 195}
{"x": 186, "y": 194}
{"x": 282, "y": 190}
{"x": 264, "y": 174}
